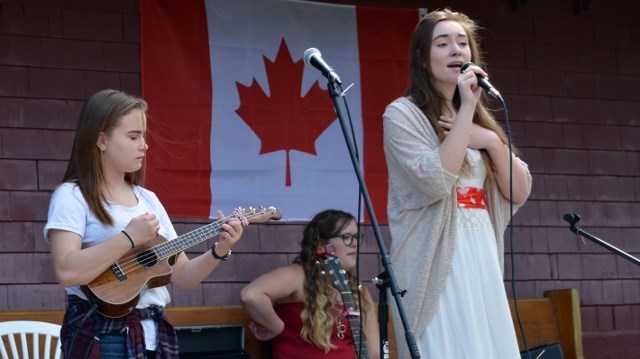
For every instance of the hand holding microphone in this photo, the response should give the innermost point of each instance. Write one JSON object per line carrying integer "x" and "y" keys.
{"x": 483, "y": 83}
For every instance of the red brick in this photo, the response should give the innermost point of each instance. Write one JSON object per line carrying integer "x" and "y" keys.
{"x": 130, "y": 83}
{"x": 528, "y": 215}
{"x": 516, "y": 27}
{"x": 20, "y": 267}
{"x": 608, "y": 33}
{"x": 555, "y": 186}
{"x": 545, "y": 134}
{"x": 627, "y": 317}
{"x": 91, "y": 25}
{"x": 571, "y": 110}
{"x": 20, "y": 50}
{"x": 14, "y": 81}
{"x": 564, "y": 57}
{"x": 615, "y": 87}
{"x": 5, "y": 205}
{"x": 601, "y": 137}
{"x": 18, "y": 175}
{"x": 580, "y": 85}
{"x": 589, "y": 317}
{"x": 612, "y": 291}
{"x": 122, "y": 57}
{"x": 549, "y": 30}
{"x": 581, "y": 32}
{"x": 36, "y": 20}
{"x": 569, "y": 266}
{"x": 9, "y": 112}
{"x": 73, "y": 54}
{"x": 27, "y": 206}
{"x": 598, "y": 266}
{"x": 190, "y": 298}
{"x": 605, "y": 318}
{"x": 549, "y": 215}
{"x": 597, "y": 60}
{"x": 630, "y": 138}
{"x": 533, "y": 266}
{"x": 521, "y": 240}
{"x": 526, "y": 83}
{"x": 505, "y": 79}
{"x": 507, "y": 54}
{"x": 36, "y": 297}
{"x": 561, "y": 240}
{"x": 626, "y": 112}
{"x": 17, "y": 237}
{"x": 50, "y": 174}
{"x": 12, "y": 19}
{"x": 99, "y": 80}
{"x": 55, "y": 83}
{"x": 601, "y": 188}
{"x": 55, "y": 22}
{"x": 573, "y": 137}
{"x": 591, "y": 292}
{"x": 131, "y": 28}
{"x": 36, "y": 144}
{"x": 126, "y": 6}
{"x": 222, "y": 293}
{"x": 55, "y": 114}
{"x": 550, "y": 83}
{"x": 630, "y": 291}
{"x": 540, "y": 238}
{"x": 612, "y": 163}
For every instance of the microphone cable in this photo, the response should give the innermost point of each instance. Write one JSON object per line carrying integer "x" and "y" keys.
{"x": 510, "y": 226}
{"x": 358, "y": 219}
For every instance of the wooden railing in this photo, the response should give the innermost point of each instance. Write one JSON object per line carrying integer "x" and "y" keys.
{"x": 549, "y": 320}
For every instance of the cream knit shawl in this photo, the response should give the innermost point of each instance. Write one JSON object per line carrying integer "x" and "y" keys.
{"x": 422, "y": 215}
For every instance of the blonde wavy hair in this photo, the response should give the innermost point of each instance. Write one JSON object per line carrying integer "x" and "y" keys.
{"x": 319, "y": 313}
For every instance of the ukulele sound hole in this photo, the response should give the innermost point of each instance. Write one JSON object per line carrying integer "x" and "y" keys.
{"x": 147, "y": 258}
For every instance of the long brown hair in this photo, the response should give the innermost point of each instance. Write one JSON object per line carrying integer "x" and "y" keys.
{"x": 319, "y": 301}
{"x": 100, "y": 114}
{"x": 421, "y": 88}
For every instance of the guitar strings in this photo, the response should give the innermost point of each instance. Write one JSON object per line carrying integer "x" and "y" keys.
{"x": 148, "y": 256}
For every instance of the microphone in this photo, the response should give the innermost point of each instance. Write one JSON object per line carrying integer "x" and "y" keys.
{"x": 313, "y": 57}
{"x": 482, "y": 82}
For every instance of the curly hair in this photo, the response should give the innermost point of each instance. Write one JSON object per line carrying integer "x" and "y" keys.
{"x": 421, "y": 88}
{"x": 319, "y": 314}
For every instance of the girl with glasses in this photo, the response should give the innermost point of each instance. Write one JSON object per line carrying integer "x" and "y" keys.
{"x": 297, "y": 307}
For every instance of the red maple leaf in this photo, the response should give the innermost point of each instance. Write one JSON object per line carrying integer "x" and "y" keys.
{"x": 285, "y": 120}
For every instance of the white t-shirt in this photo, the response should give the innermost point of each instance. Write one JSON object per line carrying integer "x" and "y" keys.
{"x": 69, "y": 211}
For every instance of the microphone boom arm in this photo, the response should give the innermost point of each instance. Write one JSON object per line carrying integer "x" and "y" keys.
{"x": 573, "y": 218}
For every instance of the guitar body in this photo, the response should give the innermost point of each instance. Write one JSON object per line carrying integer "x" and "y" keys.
{"x": 117, "y": 293}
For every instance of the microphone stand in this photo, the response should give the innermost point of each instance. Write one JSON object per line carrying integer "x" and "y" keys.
{"x": 574, "y": 218}
{"x": 335, "y": 92}
{"x": 382, "y": 282}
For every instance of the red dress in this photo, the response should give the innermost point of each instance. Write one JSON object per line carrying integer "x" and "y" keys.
{"x": 289, "y": 344}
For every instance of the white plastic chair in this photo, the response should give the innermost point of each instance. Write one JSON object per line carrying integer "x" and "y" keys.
{"x": 16, "y": 332}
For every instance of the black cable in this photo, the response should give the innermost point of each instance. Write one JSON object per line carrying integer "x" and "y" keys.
{"x": 358, "y": 221}
{"x": 511, "y": 253}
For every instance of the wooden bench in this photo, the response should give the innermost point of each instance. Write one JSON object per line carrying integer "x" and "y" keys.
{"x": 552, "y": 319}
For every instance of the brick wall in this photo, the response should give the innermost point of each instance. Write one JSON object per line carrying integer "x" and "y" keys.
{"x": 569, "y": 80}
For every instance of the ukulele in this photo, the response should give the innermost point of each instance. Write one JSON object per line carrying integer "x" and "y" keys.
{"x": 116, "y": 291}
{"x": 339, "y": 280}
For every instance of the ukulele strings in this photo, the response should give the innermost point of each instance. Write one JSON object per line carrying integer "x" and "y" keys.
{"x": 146, "y": 257}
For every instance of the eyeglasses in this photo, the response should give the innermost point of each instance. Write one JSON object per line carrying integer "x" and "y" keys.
{"x": 348, "y": 239}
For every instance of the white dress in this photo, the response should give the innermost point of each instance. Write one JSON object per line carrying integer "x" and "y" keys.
{"x": 472, "y": 319}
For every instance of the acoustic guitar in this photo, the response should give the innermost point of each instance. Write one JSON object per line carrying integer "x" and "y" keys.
{"x": 116, "y": 291}
{"x": 339, "y": 280}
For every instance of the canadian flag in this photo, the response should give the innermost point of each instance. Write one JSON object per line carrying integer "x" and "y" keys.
{"x": 236, "y": 119}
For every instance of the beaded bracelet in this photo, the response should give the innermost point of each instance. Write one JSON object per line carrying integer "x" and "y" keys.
{"x": 216, "y": 256}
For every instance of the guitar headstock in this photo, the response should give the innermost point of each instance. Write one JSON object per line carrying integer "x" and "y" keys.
{"x": 257, "y": 215}
{"x": 331, "y": 265}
